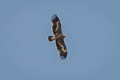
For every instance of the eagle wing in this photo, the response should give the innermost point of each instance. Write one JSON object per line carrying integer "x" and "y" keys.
{"x": 61, "y": 48}
{"x": 56, "y": 25}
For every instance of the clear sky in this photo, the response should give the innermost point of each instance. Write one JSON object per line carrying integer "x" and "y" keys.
{"x": 93, "y": 40}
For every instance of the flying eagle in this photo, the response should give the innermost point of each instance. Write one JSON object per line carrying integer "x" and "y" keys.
{"x": 58, "y": 37}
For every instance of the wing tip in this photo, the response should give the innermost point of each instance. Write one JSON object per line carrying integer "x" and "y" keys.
{"x": 54, "y": 18}
{"x": 63, "y": 56}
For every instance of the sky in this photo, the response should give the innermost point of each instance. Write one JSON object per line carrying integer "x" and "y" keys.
{"x": 92, "y": 28}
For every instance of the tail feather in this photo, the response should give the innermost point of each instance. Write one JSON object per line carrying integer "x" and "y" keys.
{"x": 50, "y": 38}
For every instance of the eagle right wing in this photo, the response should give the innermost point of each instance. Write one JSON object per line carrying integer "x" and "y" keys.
{"x": 56, "y": 25}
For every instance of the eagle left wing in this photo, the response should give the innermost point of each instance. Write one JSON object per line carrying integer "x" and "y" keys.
{"x": 61, "y": 47}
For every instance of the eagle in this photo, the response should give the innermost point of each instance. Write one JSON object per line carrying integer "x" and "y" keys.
{"x": 58, "y": 37}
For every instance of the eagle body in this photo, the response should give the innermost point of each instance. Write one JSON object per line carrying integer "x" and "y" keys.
{"x": 58, "y": 37}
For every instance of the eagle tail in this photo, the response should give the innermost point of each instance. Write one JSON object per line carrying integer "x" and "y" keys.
{"x": 50, "y": 38}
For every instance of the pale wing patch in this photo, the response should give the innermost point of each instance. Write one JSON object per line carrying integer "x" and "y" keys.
{"x": 57, "y": 26}
{"x": 63, "y": 48}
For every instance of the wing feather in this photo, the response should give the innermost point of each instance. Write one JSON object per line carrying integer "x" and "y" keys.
{"x": 61, "y": 47}
{"x": 56, "y": 25}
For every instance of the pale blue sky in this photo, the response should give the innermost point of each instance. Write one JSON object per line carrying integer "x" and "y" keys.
{"x": 93, "y": 40}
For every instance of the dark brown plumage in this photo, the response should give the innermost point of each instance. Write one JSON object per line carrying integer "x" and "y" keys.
{"x": 58, "y": 37}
